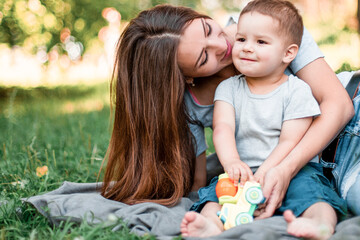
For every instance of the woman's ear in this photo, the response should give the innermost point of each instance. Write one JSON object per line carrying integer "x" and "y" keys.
{"x": 290, "y": 53}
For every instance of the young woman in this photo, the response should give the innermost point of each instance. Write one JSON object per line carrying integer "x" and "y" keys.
{"x": 171, "y": 56}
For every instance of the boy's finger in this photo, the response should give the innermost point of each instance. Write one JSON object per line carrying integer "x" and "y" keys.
{"x": 251, "y": 176}
{"x": 244, "y": 177}
{"x": 236, "y": 176}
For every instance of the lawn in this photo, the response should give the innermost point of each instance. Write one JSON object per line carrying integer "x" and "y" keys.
{"x": 65, "y": 129}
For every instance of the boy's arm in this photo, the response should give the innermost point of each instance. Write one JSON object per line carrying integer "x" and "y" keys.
{"x": 224, "y": 142}
{"x": 291, "y": 133}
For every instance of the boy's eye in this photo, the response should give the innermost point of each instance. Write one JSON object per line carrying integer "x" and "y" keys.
{"x": 241, "y": 39}
{"x": 261, "y": 42}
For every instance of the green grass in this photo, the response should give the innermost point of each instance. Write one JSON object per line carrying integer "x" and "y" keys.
{"x": 65, "y": 129}
{"x": 208, "y": 136}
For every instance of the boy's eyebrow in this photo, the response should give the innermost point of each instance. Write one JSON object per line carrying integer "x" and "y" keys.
{"x": 203, "y": 25}
{"x": 257, "y": 35}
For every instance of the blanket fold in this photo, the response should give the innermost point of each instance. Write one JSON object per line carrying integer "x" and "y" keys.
{"x": 82, "y": 201}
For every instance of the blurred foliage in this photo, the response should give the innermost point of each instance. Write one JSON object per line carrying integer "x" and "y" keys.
{"x": 346, "y": 67}
{"x": 42, "y": 93}
{"x": 38, "y": 24}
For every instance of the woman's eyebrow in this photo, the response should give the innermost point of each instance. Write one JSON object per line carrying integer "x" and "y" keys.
{"x": 203, "y": 25}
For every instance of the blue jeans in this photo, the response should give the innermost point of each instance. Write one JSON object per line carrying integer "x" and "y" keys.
{"x": 346, "y": 170}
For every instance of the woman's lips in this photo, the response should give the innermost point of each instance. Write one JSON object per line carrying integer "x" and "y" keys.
{"x": 229, "y": 49}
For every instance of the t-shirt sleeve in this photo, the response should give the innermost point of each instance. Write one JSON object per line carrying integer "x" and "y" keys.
{"x": 308, "y": 52}
{"x": 301, "y": 103}
{"x": 224, "y": 91}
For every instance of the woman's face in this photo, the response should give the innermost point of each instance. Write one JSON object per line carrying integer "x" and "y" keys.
{"x": 204, "y": 48}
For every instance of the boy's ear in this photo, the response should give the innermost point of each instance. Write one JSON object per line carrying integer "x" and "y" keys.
{"x": 290, "y": 53}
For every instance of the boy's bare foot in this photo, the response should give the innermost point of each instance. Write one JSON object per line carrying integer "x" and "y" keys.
{"x": 196, "y": 225}
{"x": 306, "y": 227}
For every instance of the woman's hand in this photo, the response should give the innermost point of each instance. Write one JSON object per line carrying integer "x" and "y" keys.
{"x": 259, "y": 176}
{"x": 276, "y": 183}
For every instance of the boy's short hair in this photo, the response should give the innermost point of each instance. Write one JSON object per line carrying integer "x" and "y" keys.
{"x": 287, "y": 15}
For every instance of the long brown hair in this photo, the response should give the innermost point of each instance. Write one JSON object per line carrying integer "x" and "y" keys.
{"x": 151, "y": 155}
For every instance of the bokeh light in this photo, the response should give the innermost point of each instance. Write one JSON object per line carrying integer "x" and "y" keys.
{"x": 73, "y": 41}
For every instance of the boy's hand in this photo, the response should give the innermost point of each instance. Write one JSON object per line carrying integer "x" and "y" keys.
{"x": 238, "y": 170}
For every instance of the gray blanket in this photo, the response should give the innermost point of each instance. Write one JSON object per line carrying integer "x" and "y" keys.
{"x": 82, "y": 201}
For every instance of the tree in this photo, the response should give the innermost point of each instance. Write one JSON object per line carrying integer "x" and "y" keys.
{"x": 39, "y": 24}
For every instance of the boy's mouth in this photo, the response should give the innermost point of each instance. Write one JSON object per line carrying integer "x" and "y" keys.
{"x": 247, "y": 59}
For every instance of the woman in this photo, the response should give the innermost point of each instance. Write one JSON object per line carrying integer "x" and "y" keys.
{"x": 151, "y": 153}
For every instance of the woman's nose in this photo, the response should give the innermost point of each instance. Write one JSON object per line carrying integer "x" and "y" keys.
{"x": 218, "y": 45}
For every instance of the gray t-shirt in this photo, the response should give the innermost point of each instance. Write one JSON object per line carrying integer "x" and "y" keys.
{"x": 259, "y": 118}
{"x": 202, "y": 114}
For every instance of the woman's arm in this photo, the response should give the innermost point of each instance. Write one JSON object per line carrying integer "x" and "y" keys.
{"x": 291, "y": 133}
{"x": 200, "y": 172}
{"x": 336, "y": 110}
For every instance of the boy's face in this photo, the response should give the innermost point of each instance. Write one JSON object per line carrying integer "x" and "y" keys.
{"x": 259, "y": 48}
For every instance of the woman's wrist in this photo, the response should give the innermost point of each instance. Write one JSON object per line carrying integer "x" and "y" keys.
{"x": 288, "y": 169}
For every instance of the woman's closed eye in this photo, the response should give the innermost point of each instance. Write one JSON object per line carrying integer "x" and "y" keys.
{"x": 205, "y": 59}
{"x": 209, "y": 30}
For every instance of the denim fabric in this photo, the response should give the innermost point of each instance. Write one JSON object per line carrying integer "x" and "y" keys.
{"x": 347, "y": 159}
{"x": 308, "y": 187}
{"x": 206, "y": 194}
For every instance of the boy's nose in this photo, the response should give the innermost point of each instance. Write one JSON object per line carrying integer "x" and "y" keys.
{"x": 247, "y": 47}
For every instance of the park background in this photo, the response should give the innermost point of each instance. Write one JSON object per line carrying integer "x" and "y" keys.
{"x": 56, "y": 59}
